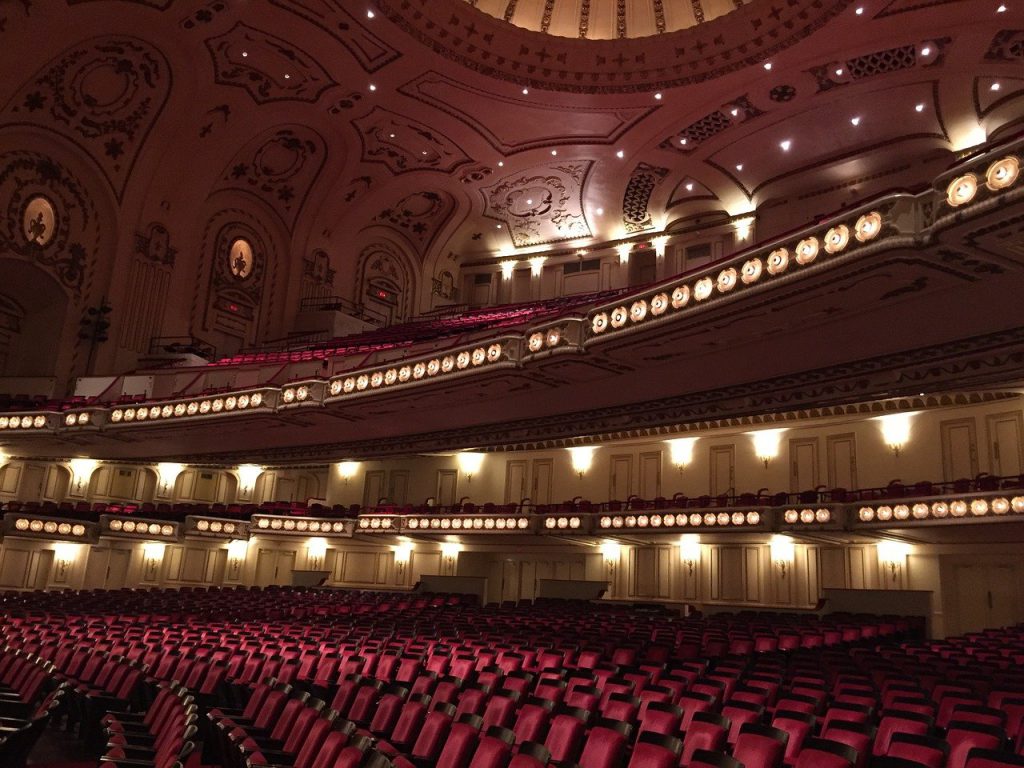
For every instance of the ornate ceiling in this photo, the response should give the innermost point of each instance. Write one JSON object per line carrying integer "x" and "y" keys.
{"x": 606, "y": 19}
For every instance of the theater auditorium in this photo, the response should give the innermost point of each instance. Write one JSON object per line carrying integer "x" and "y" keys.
{"x": 511, "y": 383}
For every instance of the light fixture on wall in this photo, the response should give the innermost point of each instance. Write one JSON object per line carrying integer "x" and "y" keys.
{"x": 450, "y": 556}
{"x": 81, "y": 472}
{"x": 508, "y": 267}
{"x": 152, "y": 557}
{"x": 659, "y": 244}
{"x": 403, "y": 554}
{"x": 347, "y": 470}
{"x": 316, "y": 553}
{"x": 782, "y": 551}
{"x": 689, "y": 551}
{"x": 237, "y": 551}
{"x": 469, "y": 463}
{"x": 892, "y": 555}
{"x": 743, "y": 227}
{"x": 64, "y": 556}
{"x": 896, "y": 430}
{"x": 167, "y": 474}
{"x": 766, "y": 444}
{"x": 680, "y": 451}
{"x": 582, "y": 457}
{"x": 537, "y": 265}
{"x": 623, "y": 249}
{"x": 247, "y": 476}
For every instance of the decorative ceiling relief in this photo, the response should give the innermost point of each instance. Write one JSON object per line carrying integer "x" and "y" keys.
{"x": 269, "y": 68}
{"x": 104, "y": 94}
{"x": 537, "y": 124}
{"x": 541, "y": 205}
{"x": 370, "y": 51}
{"x": 460, "y": 32}
{"x": 642, "y": 182}
{"x": 160, "y": 5}
{"x": 740, "y": 110}
{"x": 49, "y": 217}
{"x": 419, "y": 216}
{"x": 923, "y": 54}
{"x": 155, "y": 245}
{"x": 280, "y": 168}
{"x": 1007, "y": 45}
{"x": 404, "y": 145}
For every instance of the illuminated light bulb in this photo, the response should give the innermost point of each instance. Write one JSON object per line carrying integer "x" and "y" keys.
{"x": 657, "y": 96}
{"x": 785, "y": 145}
{"x": 369, "y": 14}
{"x": 620, "y": 154}
{"x": 919, "y": 108}
{"x": 768, "y": 66}
{"x": 739, "y": 166}
{"x": 373, "y": 87}
{"x": 855, "y": 121}
{"x": 995, "y": 87}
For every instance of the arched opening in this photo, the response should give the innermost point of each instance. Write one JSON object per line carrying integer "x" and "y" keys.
{"x": 33, "y": 311}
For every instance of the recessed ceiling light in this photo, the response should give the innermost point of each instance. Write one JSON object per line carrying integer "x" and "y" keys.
{"x": 919, "y": 108}
{"x": 369, "y": 14}
{"x": 689, "y": 187}
{"x": 860, "y": 11}
{"x": 768, "y": 66}
{"x": 599, "y": 211}
{"x": 682, "y": 141}
{"x": 554, "y": 151}
{"x": 498, "y": 226}
{"x": 391, "y": 135}
{"x": 739, "y": 166}
{"x": 424, "y": 151}
{"x": 501, "y": 163}
{"x": 926, "y": 51}
{"x": 287, "y": 76}
{"x": 620, "y": 154}
{"x": 839, "y": 72}
{"x": 995, "y": 87}
{"x": 526, "y": 91}
{"x": 785, "y": 145}
{"x": 1001, "y": 9}
{"x": 244, "y": 54}
{"x": 735, "y": 112}
{"x": 373, "y": 87}
{"x": 529, "y": 202}
{"x": 854, "y": 121}
{"x": 658, "y": 96}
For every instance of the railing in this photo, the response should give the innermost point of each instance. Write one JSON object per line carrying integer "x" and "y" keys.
{"x": 181, "y": 345}
{"x": 340, "y": 304}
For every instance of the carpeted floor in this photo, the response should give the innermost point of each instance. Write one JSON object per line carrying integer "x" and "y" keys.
{"x": 58, "y": 749}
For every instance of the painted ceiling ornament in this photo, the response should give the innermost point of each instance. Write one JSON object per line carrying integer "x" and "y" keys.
{"x": 39, "y": 221}
{"x": 405, "y": 145}
{"x": 541, "y": 205}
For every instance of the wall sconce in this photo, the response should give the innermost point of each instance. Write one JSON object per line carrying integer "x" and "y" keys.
{"x": 508, "y": 267}
{"x": 450, "y": 556}
{"x": 347, "y": 470}
{"x": 248, "y": 474}
{"x": 895, "y": 430}
{"x": 582, "y": 457}
{"x": 316, "y": 552}
{"x": 81, "y": 471}
{"x": 403, "y": 554}
{"x": 469, "y": 463}
{"x": 689, "y": 551}
{"x": 167, "y": 474}
{"x": 623, "y": 250}
{"x": 892, "y": 555}
{"x": 659, "y": 244}
{"x": 64, "y": 555}
{"x": 782, "y": 551}
{"x": 537, "y": 265}
{"x": 680, "y": 451}
{"x": 743, "y": 227}
{"x": 238, "y": 549}
{"x": 766, "y": 444}
{"x": 152, "y": 556}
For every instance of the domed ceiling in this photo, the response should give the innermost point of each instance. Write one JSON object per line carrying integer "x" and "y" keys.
{"x": 606, "y": 19}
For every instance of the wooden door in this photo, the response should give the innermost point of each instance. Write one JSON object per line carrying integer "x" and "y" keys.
{"x": 117, "y": 569}
{"x": 650, "y": 474}
{"x": 620, "y": 479}
{"x": 398, "y": 486}
{"x": 373, "y": 487}
{"x": 959, "y": 449}
{"x": 515, "y": 481}
{"x": 723, "y": 469}
{"x": 1004, "y": 444}
{"x": 541, "y": 487}
{"x": 842, "y": 461}
{"x": 447, "y": 487}
{"x": 803, "y": 464}
{"x": 987, "y": 595}
{"x": 31, "y": 488}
